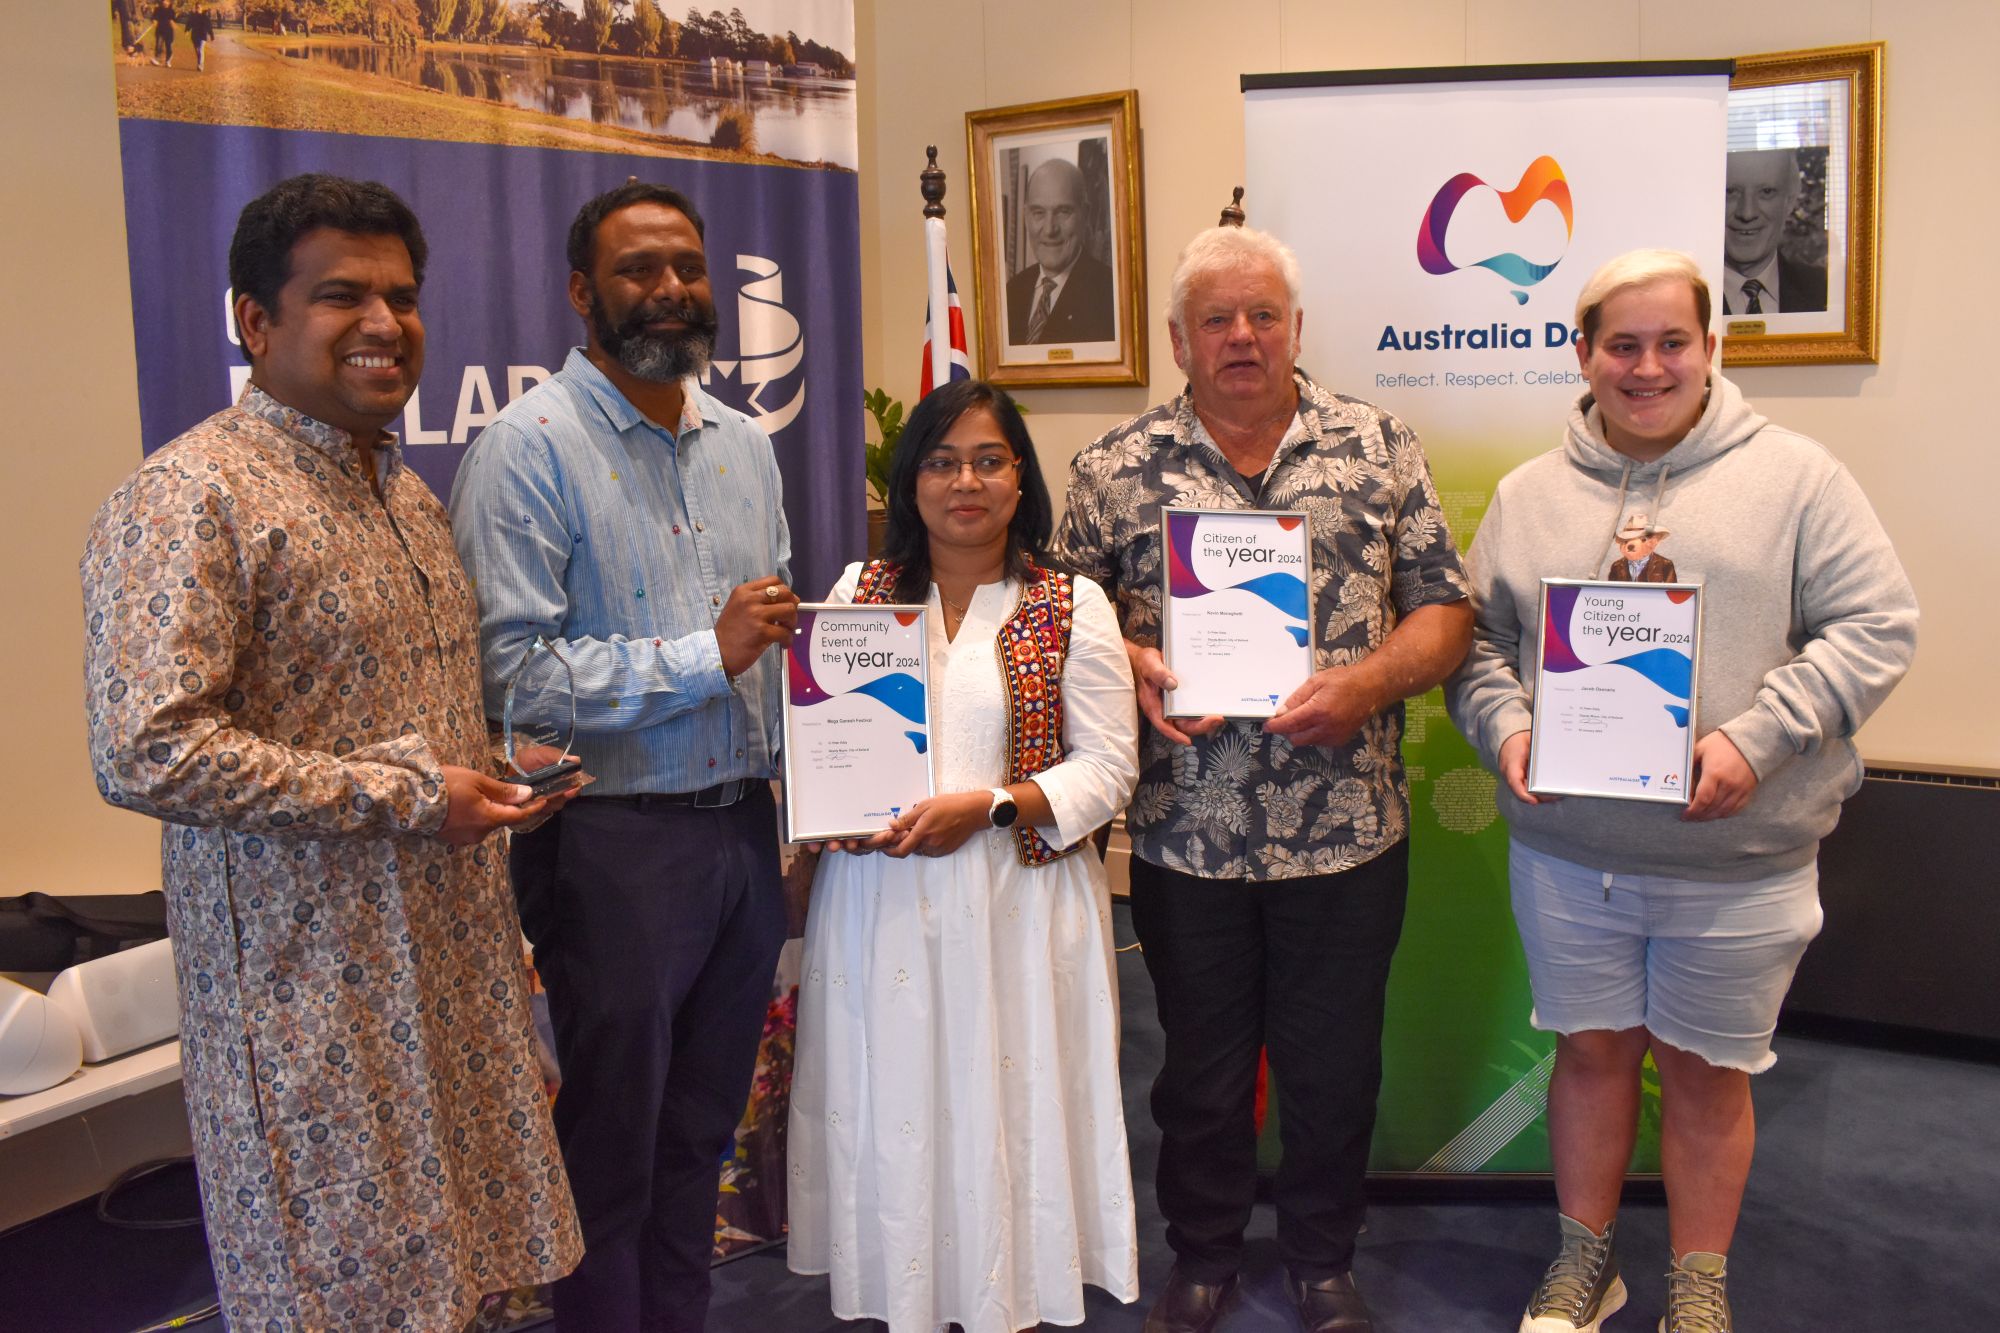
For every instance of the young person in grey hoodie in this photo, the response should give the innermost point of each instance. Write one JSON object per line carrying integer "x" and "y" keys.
{"x": 1648, "y": 926}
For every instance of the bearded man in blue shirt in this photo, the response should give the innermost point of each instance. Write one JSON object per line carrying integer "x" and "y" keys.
{"x": 636, "y": 524}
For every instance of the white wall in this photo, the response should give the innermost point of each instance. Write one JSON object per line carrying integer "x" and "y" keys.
{"x": 1907, "y": 427}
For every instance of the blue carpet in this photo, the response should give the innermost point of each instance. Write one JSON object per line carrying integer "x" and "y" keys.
{"x": 1874, "y": 1207}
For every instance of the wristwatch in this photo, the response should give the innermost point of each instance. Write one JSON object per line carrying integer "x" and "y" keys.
{"x": 1003, "y": 811}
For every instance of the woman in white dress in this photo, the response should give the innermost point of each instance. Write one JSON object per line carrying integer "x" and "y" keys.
{"x": 957, "y": 1137}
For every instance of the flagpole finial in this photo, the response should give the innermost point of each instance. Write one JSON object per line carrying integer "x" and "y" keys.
{"x": 932, "y": 180}
{"x": 1232, "y": 212}
{"x": 631, "y": 180}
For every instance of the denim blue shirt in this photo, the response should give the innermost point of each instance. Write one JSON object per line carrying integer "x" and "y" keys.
{"x": 619, "y": 540}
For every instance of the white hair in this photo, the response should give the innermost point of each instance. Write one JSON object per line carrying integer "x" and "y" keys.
{"x": 1639, "y": 268}
{"x": 1231, "y": 249}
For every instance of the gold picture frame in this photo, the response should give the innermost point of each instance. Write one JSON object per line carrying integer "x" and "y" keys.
{"x": 1057, "y": 183}
{"x": 1802, "y": 209}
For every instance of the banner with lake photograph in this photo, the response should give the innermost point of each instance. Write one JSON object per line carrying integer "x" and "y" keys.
{"x": 496, "y": 120}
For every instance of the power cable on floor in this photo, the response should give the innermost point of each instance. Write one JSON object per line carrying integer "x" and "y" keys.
{"x": 200, "y": 1316}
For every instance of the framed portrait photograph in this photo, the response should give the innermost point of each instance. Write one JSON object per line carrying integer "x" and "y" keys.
{"x": 1801, "y": 242}
{"x": 1059, "y": 242}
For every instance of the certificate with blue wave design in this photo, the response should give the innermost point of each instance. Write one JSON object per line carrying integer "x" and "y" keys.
{"x": 1235, "y": 609}
{"x": 857, "y": 719}
{"x": 1614, "y": 703}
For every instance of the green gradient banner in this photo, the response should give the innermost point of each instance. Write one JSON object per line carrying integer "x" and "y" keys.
{"x": 1444, "y": 229}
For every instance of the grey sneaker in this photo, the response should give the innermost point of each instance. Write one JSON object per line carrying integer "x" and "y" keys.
{"x": 1582, "y": 1287}
{"x": 1697, "y": 1295}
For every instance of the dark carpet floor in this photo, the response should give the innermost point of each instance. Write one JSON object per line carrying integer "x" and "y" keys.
{"x": 1874, "y": 1208}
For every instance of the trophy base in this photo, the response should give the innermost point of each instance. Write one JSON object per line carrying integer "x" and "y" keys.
{"x": 551, "y": 779}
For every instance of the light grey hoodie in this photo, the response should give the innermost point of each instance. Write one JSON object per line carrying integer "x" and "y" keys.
{"x": 1808, "y": 622}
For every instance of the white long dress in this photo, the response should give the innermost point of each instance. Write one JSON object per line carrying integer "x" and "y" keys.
{"x": 957, "y": 1137}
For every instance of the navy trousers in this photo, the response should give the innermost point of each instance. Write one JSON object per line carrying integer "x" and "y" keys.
{"x": 1299, "y": 968}
{"x": 656, "y": 930}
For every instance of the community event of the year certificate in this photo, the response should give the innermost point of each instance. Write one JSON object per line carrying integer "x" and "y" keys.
{"x": 1236, "y": 609}
{"x": 1614, "y": 708}
{"x": 857, "y": 719}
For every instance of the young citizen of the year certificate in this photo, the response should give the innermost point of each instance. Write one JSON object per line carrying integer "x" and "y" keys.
{"x": 1235, "y": 609}
{"x": 1614, "y": 711}
{"x": 857, "y": 719}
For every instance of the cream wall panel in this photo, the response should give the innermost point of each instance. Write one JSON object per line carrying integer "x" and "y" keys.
{"x": 1036, "y": 50}
{"x": 1535, "y": 32}
{"x": 1190, "y": 110}
{"x": 911, "y": 98}
{"x": 1697, "y": 29}
{"x": 1366, "y": 34}
{"x": 1040, "y": 50}
{"x": 70, "y": 383}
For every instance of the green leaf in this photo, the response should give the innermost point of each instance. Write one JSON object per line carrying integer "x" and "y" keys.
{"x": 877, "y": 454}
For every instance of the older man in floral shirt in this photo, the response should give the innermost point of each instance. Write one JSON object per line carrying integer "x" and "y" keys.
{"x": 1271, "y": 859}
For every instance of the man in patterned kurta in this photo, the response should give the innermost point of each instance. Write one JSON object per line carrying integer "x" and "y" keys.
{"x": 1270, "y": 859}
{"x": 282, "y": 664}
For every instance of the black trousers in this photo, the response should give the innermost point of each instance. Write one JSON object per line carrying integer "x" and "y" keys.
{"x": 656, "y": 931}
{"x": 1297, "y": 967}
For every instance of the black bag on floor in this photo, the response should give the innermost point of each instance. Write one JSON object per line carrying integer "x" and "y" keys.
{"x": 43, "y": 933}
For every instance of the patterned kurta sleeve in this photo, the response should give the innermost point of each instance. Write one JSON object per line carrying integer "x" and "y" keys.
{"x": 171, "y": 620}
{"x": 1426, "y": 569}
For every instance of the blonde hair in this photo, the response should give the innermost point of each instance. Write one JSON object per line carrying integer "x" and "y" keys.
{"x": 1639, "y": 268}
{"x": 1229, "y": 248}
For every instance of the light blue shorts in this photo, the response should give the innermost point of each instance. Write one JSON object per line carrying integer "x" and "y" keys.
{"x": 1702, "y": 966}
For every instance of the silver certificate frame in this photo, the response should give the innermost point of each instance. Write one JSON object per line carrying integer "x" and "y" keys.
{"x": 1578, "y": 746}
{"x": 799, "y": 828}
{"x": 1233, "y": 700}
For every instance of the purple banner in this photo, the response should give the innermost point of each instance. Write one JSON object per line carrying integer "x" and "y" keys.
{"x": 783, "y": 246}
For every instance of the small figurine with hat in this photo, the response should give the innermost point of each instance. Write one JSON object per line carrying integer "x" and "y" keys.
{"x": 1635, "y": 561}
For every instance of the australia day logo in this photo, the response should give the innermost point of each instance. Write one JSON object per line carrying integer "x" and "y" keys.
{"x": 1543, "y": 180}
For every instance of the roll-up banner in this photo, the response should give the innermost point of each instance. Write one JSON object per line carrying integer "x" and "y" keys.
{"x": 1445, "y": 220}
{"x": 495, "y": 120}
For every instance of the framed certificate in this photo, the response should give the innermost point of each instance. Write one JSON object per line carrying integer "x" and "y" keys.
{"x": 1615, "y": 673}
{"x": 1235, "y": 609}
{"x": 857, "y": 719}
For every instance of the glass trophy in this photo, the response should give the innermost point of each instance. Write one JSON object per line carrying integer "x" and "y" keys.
{"x": 540, "y": 710}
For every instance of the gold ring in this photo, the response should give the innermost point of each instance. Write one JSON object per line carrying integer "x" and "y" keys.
{"x": 771, "y": 593}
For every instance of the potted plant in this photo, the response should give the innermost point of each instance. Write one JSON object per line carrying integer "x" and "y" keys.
{"x": 888, "y": 414}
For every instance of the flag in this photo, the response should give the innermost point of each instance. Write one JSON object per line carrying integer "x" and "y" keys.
{"x": 945, "y": 358}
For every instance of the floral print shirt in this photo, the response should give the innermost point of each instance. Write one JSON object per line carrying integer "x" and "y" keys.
{"x": 1239, "y": 804}
{"x": 278, "y": 661}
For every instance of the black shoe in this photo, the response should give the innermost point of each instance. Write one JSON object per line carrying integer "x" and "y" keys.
{"x": 1330, "y": 1305}
{"x": 1188, "y": 1306}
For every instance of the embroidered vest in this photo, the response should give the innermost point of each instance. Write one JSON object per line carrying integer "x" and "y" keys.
{"x": 1032, "y": 647}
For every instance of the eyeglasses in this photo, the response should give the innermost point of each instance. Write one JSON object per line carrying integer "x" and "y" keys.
{"x": 986, "y": 467}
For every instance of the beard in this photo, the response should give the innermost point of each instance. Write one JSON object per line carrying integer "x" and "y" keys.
{"x": 659, "y": 357}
